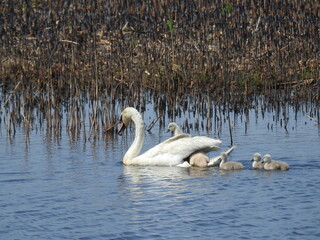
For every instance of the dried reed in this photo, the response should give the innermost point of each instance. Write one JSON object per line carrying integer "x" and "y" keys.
{"x": 88, "y": 59}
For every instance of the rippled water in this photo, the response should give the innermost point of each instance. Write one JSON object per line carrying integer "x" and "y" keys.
{"x": 77, "y": 190}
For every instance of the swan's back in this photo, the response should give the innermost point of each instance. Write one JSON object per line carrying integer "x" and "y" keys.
{"x": 198, "y": 159}
{"x": 186, "y": 145}
{"x": 175, "y": 149}
{"x": 176, "y": 137}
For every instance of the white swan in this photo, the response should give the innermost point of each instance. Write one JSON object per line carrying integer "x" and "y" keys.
{"x": 215, "y": 161}
{"x": 257, "y": 163}
{"x": 229, "y": 165}
{"x": 168, "y": 153}
{"x": 270, "y": 164}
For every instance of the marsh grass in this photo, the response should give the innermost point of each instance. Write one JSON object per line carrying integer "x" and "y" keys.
{"x": 73, "y": 65}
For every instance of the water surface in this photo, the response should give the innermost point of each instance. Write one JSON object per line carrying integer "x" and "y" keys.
{"x": 80, "y": 190}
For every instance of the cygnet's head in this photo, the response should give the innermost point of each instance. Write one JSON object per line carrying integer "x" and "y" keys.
{"x": 266, "y": 158}
{"x": 172, "y": 126}
{"x": 224, "y": 156}
{"x": 256, "y": 157}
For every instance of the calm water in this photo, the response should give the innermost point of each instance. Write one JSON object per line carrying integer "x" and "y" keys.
{"x": 80, "y": 190}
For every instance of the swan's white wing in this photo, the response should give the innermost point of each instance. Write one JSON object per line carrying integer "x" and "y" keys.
{"x": 174, "y": 150}
{"x": 214, "y": 162}
{"x": 230, "y": 150}
{"x": 152, "y": 152}
{"x": 186, "y": 146}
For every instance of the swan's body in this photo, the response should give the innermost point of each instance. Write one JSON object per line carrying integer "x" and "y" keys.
{"x": 215, "y": 161}
{"x": 168, "y": 153}
{"x": 270, "y": 164}
{"x": 229, "y": 165}
{"x": 257, "y": 163}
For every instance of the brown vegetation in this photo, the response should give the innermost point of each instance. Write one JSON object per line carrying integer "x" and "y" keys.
{"x": 65, "y": 53}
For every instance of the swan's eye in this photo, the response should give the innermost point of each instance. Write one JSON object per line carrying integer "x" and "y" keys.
{"x": 120, "y": 120}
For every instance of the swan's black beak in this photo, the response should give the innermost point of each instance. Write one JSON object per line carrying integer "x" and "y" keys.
{"x": 122, "y": 127}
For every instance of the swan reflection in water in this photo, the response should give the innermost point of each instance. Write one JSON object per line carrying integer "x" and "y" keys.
{"x": 138, "y": 174}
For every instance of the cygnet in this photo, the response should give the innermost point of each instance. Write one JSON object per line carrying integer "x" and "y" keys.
{"x": 270, "y": 164}
{"x": 257, "y": 163}
{"x": 215, "y": 161}
{"x": 229, "y": 165}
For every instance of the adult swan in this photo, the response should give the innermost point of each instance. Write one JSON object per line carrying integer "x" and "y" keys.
{"x": 168, "y": 153}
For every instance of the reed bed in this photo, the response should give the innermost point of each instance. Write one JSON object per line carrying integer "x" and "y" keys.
{"x": 73, "y": 65}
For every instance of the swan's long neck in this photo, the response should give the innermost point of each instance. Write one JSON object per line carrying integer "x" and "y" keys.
{"x": 137, "y": 144}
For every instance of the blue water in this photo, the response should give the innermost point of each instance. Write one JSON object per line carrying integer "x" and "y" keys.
{"x": 80, "y": 190}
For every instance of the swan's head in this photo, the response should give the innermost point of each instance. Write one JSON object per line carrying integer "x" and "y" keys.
{"x": 266, "y": 158}
{"x": 172, "y": 127}
{"x": 256, "y": 157}
{"x": 125, "y": 118}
